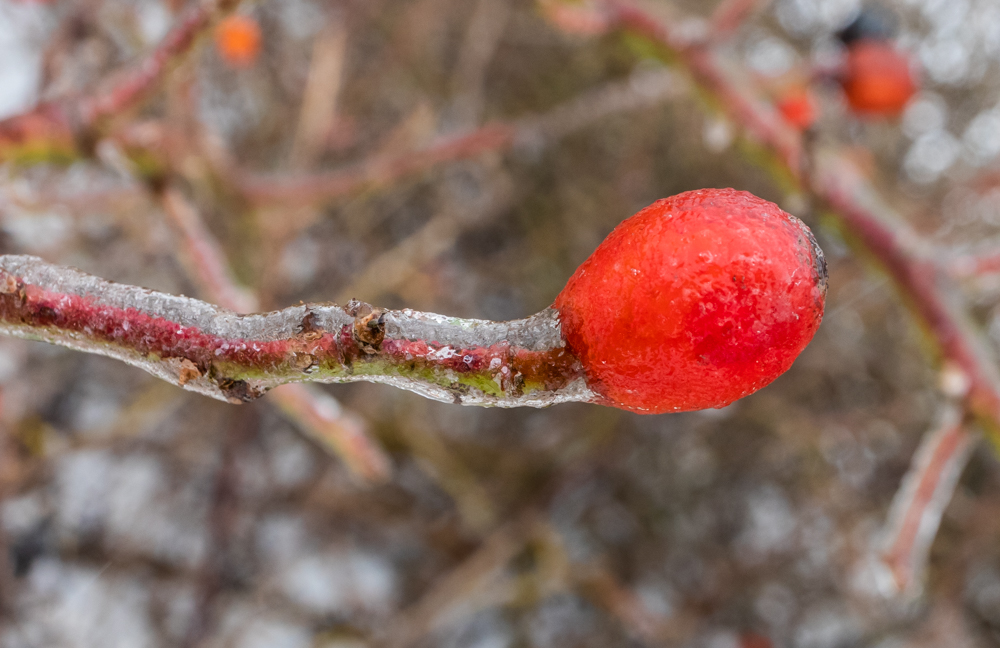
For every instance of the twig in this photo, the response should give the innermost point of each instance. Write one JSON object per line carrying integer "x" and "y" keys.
{"x": 319, "y": 101}
{"x": 919, "y": 503}
{"x": 9, "y": 470}
{"x": 472, "y": 501}
{"x": 975, "y": 265}
{"x": 601, "y": 586}
{"x": 299, "y": 190}
{"x": 392, "y": 268}
{"x": 730, "y": 14}
{"x": 918, "y": 274}
{"x": 732, "y": 89}
{"x": 450, "y": 594}
{"x": 222, "y": 522}
{"x": 203, "y": 257}
{"x": 237, "y": 358}
{"x": 66, "y": 127}
{"x": 296, "y": 190}
{"x": 482, "y": 36}
{"x": 322, "y": 418}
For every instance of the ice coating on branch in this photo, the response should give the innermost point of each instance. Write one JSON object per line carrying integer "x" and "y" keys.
{"x": 236, "y": 358}
{"x": 537, "y": 333}
{"x": 185, "y": 311}
{"x": 694, "y": 302}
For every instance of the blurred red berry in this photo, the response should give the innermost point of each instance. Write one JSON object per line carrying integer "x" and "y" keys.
{"x": 877, "y": 78}
{"x": 799, "y": 108}
{"x": 238, "y": 40}
{"x": 753, "y": 640}
{"x": 695, "y": 301}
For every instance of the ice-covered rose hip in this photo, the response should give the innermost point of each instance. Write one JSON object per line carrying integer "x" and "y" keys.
{"x": 694, "y": 302}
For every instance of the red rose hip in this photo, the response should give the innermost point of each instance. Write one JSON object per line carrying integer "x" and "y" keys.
{"x": 694, "y": 302}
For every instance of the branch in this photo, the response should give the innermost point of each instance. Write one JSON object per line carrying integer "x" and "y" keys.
{"x": 300, "y": 190}
{"x": 579, "y": 112}
{"x": 968, "y": 266}
{"x": 237, "y": 358}
{"x": 60, "y": 129}
{"x": 920, "y": 277}
{"x": 729, "y": 15}
{"x": 920, "y": 502}
{"x": 203, "y": 257}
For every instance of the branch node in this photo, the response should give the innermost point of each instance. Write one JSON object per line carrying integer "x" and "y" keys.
{"x": 369, "y": 325}
{"x": 238, "y": 391}
{"x": 188, "y": 371}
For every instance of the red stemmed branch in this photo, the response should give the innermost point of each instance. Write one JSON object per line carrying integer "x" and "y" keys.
{"x": 63, "y": 128}
{"x": 202, "y": 255}
{"x": 319, "y": 415}
{"x": 969, "y": 266}
{"x": 729, "y": 15}
{"x": 300, "y": 189}
{"x": 237, "y": 358}
{"x": 922, "y": 277}
{"x": 925, "y": 492}
{"x": 923, "y": 280}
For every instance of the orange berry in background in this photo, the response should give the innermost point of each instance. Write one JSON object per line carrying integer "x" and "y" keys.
{"x": 237, "y": 38}
{"x": 798, "y": 107}
{"x": 877, "y": 78}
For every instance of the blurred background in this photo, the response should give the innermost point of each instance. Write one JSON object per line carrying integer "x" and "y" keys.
{"x": 463, "y": 157}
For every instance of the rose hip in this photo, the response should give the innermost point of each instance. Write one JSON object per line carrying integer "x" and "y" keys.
{"x": 694, "y": 302}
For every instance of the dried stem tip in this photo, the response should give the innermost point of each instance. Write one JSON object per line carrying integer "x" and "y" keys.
{"x": 694, "y": 302}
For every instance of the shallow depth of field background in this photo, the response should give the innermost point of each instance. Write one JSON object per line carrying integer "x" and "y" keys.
{"x": 146, "y": 516}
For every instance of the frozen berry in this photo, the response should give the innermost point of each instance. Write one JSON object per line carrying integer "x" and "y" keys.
{"x": 694, "y": 302}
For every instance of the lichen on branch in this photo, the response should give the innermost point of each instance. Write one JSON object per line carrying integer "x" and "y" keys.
{"x": 237, "y": 358}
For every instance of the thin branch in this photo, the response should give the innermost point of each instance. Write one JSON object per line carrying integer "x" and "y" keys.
{"x": 482, "y": 37}
{"x": 63, "y": 127}
{"x": 223, "y": 524}
{"x": 389, "y": 270}
{"x": 603, "y": 588}
{"x": 729, "y": 15}
{"x": 300, "y": 189}
{"x": 919, "y": 503}
{"x": 451, "y": 593}
{"x": 731, "y": 88}
{"x": 203, "y": 257}
{"x": 238, "y": 358}
{"x": 920, "y": 277}
{"x": 322, "y": 418}
{"x": 969, "y": 266}
{"x": 319, "y": 101}
{"x": 9, "y": 473}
